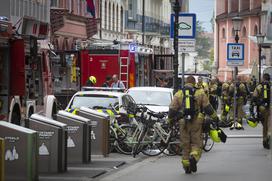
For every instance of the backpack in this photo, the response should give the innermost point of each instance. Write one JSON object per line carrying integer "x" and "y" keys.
{"x": 189, "y": 102}
{"x": 266, "y": 94}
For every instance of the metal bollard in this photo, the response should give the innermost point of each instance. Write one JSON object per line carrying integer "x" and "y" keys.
{"x": 2, "y": 160}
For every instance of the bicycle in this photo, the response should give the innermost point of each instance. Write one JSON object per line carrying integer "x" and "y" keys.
{"x": 152, "y": 138}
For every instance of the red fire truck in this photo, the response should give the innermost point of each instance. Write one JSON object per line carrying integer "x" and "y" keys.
{"x": 22, "y": 76}
{"x": 132, "y": 63}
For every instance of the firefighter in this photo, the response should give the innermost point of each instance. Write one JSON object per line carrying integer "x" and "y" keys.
{"x": 225, "y": 104}
{"x": 261, "y": 99}
{"x": 241, "y": 96}
{"x": 202, "y": 85}
{"x": 191, "y": 106}
{"x": 91, "y": 81}
{"x": 213, "y": 94}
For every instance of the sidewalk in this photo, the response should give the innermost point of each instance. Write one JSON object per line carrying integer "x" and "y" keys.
{"x": 239, "y": 159}
{"x": 99, "y": 166}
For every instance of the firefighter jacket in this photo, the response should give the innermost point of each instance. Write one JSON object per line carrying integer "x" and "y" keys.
{"x": 225, "y": 93}
{"x": 202, "y": 104}
{"x": 213, "y": 89}
{"x": 241, "y": 93}
{"x": 261, "y": 95}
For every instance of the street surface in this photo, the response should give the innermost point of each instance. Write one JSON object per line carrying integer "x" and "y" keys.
{"x": 239, "y": 159}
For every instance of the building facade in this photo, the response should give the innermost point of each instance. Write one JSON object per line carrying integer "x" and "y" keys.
{"x": 251, "y": 12}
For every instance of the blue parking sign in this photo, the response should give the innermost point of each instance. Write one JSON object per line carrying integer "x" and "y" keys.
{"x": 235, "y": 54}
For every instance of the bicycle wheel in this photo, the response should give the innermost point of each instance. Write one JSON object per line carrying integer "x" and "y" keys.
{"x": 153, "y": 144}
{"x": 112, "y": 140}
{"x": 207, "y": 142}
{"x": 137, "y": 148}
{"x": 124, "y": 144}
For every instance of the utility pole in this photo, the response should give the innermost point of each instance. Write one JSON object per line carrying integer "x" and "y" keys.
{"x": 176, "y": 9}
{"x": 143, "y": 23}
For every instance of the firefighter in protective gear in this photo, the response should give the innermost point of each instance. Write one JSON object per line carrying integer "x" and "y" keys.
{"x": 91, "y": 81}
{"x": 261, "y": 99}
{"x": 191, "y": 136}
{"x": 202, "y": 85}
{"x": 241, "y": 95}
{"x": 225, "y": 104}
{"x": 213, "y": 94}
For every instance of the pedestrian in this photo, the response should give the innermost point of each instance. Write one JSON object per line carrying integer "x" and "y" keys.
{"x": 91, "y": 81}
{"x": 117, "y": 83}
{"x": 192, "y": 105}
{"x": 261, "y": 99}
{"x": 241, "y": 96}
{"x": 107, "y": 81}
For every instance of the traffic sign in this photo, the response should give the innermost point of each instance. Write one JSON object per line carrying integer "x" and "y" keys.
{"x": 186, "y": 26}
{"x": 235, "y": 54}
{"x": 186, "y": 46}
{"x": 132, "y": 47}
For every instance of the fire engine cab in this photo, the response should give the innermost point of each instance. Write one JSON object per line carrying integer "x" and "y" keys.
{"x": 131, "y": 62}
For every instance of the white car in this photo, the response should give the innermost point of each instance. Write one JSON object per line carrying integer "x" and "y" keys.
{"x": 99, "y": 100}
{"x": 156, "y": 99}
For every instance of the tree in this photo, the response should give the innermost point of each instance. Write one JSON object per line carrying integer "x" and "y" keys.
{"x": 203, "y": 43}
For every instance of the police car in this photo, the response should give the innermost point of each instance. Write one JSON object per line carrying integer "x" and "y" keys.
{"x": 100, "y": 99}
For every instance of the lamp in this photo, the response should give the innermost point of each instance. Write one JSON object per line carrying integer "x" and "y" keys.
{"x": 260, "y": 40}
{"x": 237, "y": 22}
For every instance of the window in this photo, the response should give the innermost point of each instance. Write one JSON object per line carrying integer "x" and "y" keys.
{"x": 122, "y": 20}
{"x": 109, "y": 18}
{"x": 105, "y": 15}
{"x": 117, "y": 18}
{"x": 244, "y": 33}
{"x": 54, "y": 3}
{"x": 113, "y": 17}
{"x": 223, "y": 33}
{"x": 255, "y": 30}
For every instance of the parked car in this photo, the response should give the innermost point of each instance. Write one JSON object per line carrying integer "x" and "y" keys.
{"x": 100, "y": 100}
{"x": 156, "y": 99}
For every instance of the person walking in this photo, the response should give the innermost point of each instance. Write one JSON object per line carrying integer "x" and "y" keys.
{"x": 117, "y": 83}
{"x": 193, "y": 103}
{"x": 261, "y": 99}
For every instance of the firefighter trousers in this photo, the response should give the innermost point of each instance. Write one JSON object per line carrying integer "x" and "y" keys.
{"x": 264, "y": 113}
{"x": 191, "y": 138}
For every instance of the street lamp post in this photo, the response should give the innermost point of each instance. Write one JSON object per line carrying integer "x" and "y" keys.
{"x": 236, "y": 21}
{"x": 176, "y": 8}
{"x": 260, "y": 40}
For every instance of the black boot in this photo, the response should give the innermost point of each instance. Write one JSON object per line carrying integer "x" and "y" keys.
{"x": 187, "y": 170}
{"x": 193, "y": 166}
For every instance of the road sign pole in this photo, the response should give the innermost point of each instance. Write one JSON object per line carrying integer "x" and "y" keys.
{"x": 175, "y": 63}
{"x": 183, "y": 69}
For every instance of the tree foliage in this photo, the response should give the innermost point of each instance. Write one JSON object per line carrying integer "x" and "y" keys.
{"x": 203, "y": 43}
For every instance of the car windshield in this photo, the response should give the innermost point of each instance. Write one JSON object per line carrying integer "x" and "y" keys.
{"x": 94, "y": 101}
{"x": 151, "y": 97}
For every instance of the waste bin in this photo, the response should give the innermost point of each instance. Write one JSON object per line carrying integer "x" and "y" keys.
{"x": 2, "y": 166}
{"x": 52, "y": 143}
{"x": 79, "y": 137}
{"x": 100, "y": 130}
{"x": 21, "y": 152}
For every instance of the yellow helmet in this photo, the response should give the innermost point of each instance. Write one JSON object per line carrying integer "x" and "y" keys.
{"x": 92, "y": 79}
{"x": 217, "y": 135}
{"x": 252, "y": 122}
{"x": 214, "y": 135}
